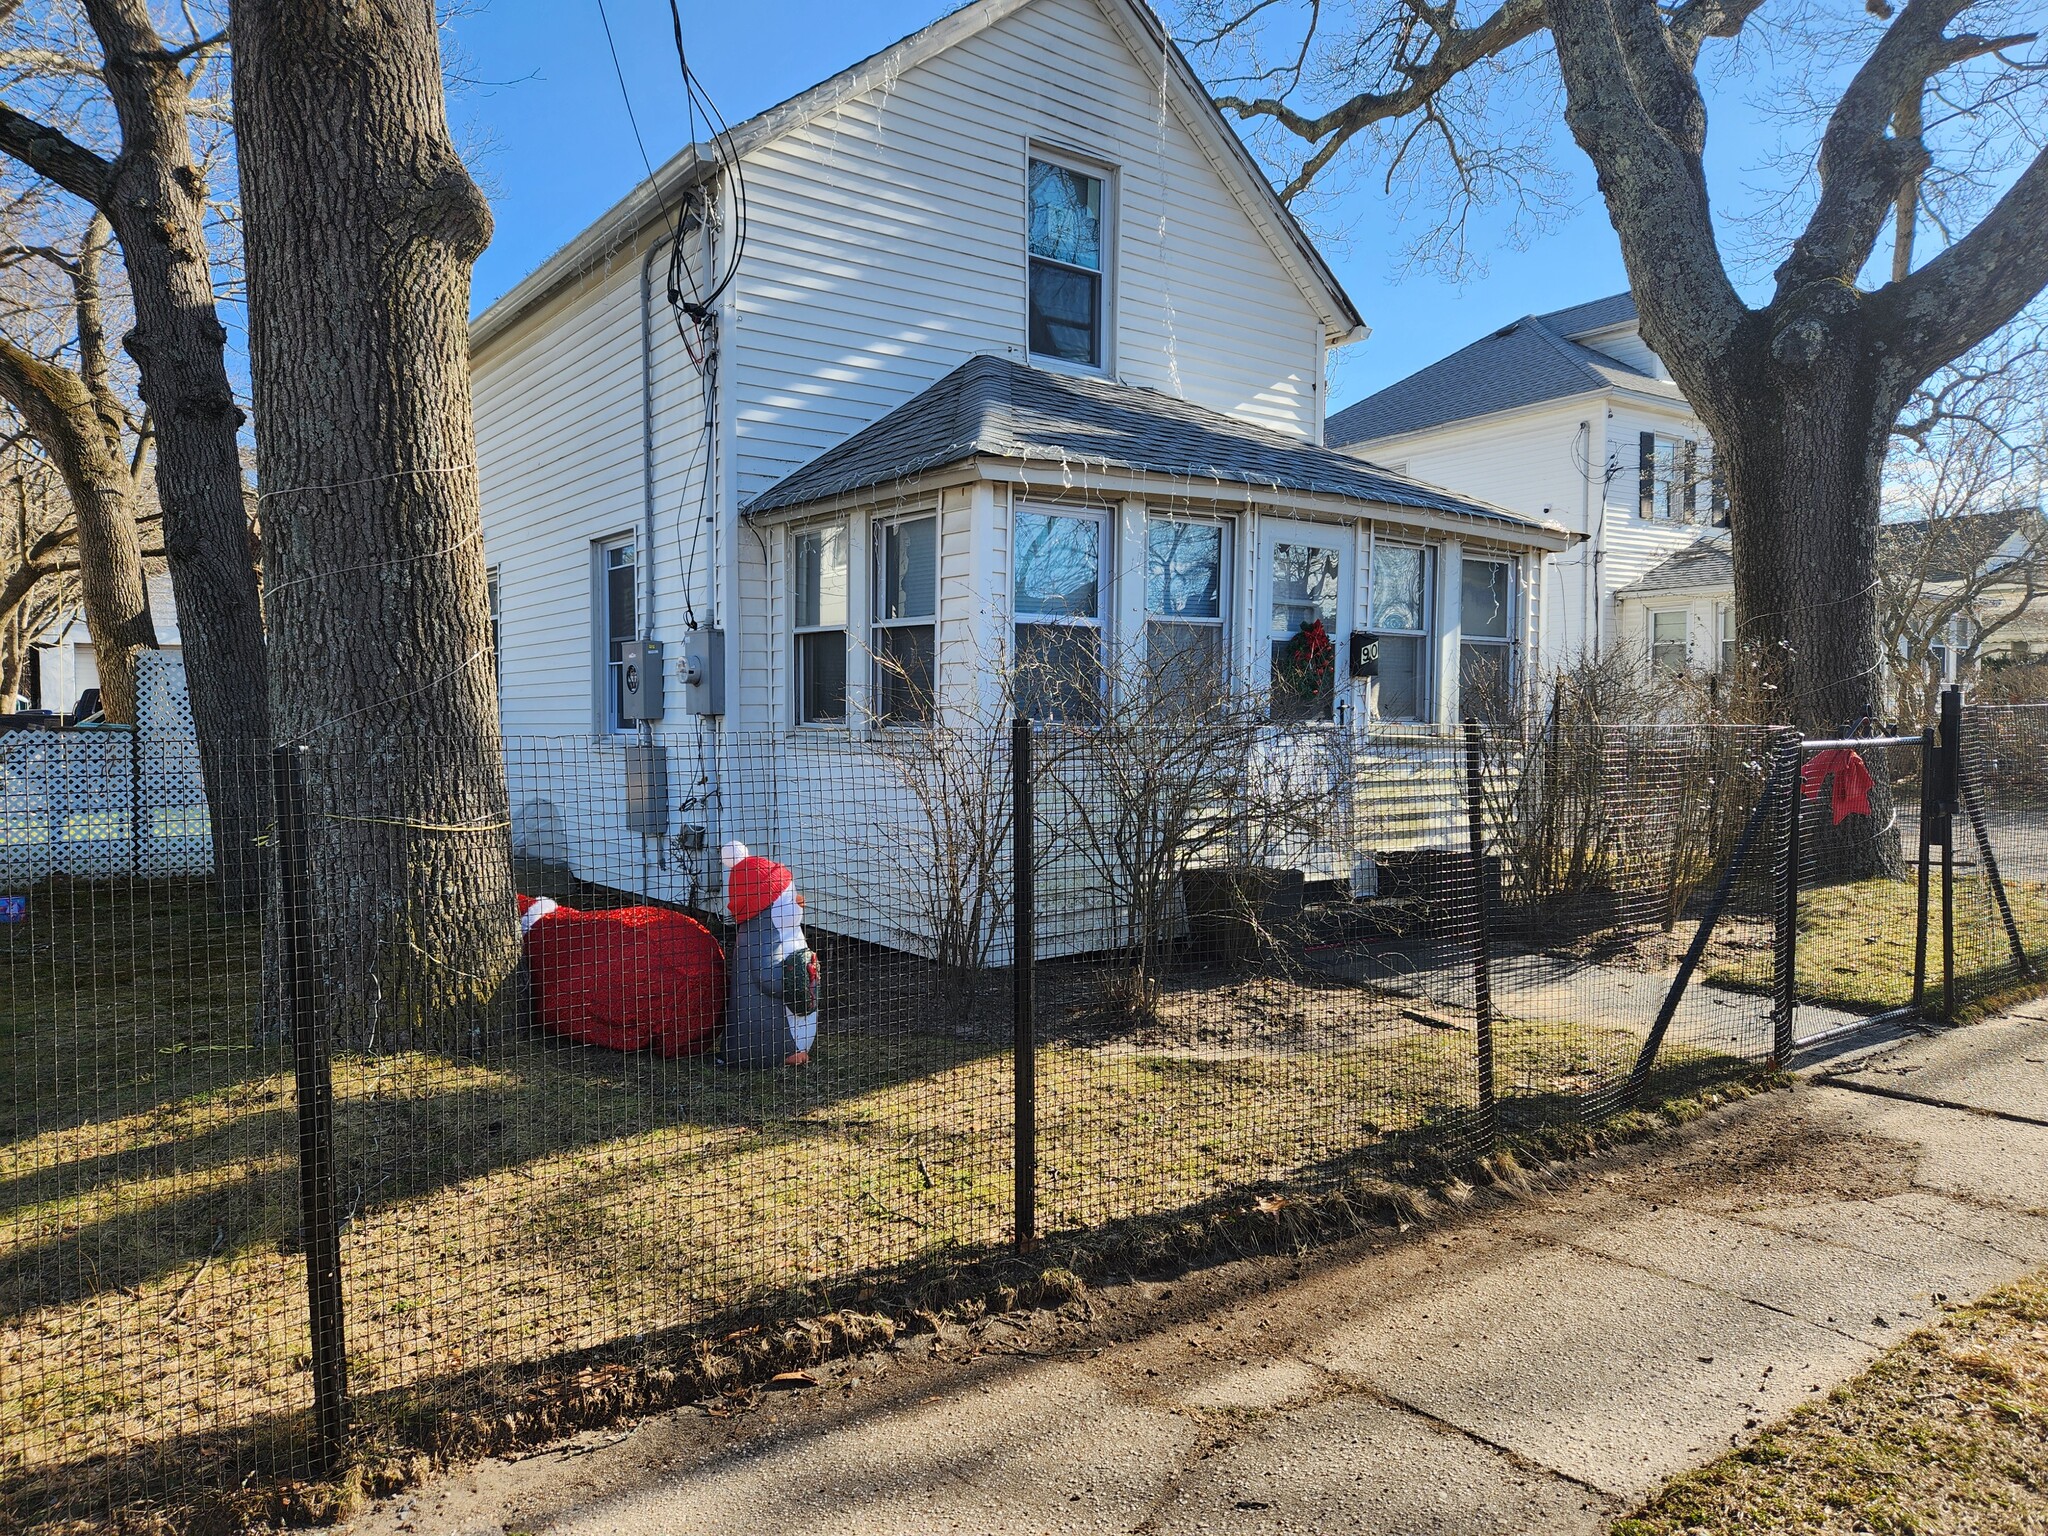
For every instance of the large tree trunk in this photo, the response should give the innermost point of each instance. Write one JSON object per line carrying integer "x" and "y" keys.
{"x": 156, "y": 201}
{"x": 362, "y": 227}
{"x": 1803, "y": 453}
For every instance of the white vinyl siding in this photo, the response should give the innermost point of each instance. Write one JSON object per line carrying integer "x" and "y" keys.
{"x": 886, "y": 245}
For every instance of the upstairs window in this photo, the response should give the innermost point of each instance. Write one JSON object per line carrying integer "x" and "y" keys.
{"x": 1676, "y": 481}
{"x": 819, "y": 558}
{"x": 1065, "y": 279}
{"x": 1056, "y": 598}
{"x": 906, "y": 619}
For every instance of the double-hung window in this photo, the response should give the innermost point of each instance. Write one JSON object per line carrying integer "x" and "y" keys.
{"x": 1486, "y": 648}
{"x": 906, "y": 589}
{"x": 1056, "y": 600}
{"x": 818, "y": 558}
{"x": 1185, "y": 565}
{"x": 1669, "y": 650}
{"x": 494, "y": 599}
{"x": 1400, "y": 618}
{"x": 1724, "y": 617}
{"x": 1676, "y": 481}
{"x": 1066, "y": 237}
{"x": 618, "y": 621}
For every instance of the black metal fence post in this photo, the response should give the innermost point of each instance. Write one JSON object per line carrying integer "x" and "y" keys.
{"x": 1928, "y": 760}
{"x": 1023, "y": 974}
{"x": 1950, "y": 789}
{"x": 1482, "y": 941}
{"x": 1784, "y": 1010}
{"x": 315, "y": 1094}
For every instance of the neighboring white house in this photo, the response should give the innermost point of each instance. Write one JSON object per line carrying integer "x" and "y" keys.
{"x": 63, "y": 655}
{"x": 1023, "y": 356}
{"x": 1568, "y": 417}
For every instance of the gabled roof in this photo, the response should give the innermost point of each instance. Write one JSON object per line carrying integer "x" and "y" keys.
{"x": 994, "y": 408}
{"x": 1703, "y": 567}
{"x": 1535, "y": 359}
{"x": 1135, "y": 19}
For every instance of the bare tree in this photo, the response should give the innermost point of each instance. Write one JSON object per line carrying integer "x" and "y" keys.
{"x": 80, "y": 423}
{"x": 1801, "y": 392}
{"x": 361, "y": 229}
{"x": 1963, "y": 556}
{"x": 39, "y": 559}
{"x": 129, "y": 154}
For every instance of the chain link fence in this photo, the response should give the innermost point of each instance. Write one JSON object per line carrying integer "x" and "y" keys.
{"x": 805, "y": 1036}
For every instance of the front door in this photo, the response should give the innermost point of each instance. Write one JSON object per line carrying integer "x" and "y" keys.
{"x": 1304, "y": 595}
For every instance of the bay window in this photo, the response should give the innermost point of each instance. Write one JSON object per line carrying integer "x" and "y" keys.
{"x": 1486, "y": 648}
{"x": 1400, "y": 618}
{"x": 1056, "y": 594}
{"x": 1185, "y": 561}
{"x": 906, "y": 589}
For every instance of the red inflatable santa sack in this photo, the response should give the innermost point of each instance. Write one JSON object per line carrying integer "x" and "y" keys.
{"x": 627, "y": 979}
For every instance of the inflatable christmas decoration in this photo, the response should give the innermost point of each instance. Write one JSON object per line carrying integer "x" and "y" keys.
{"x": 771, "y": 1016}
{"x": 629, "y": 979}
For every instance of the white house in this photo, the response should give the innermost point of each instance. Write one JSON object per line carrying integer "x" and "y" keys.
{"x": 1022, "y": 356}
{"x": 63, "y": 655}
{"x": 1568, "y": 417}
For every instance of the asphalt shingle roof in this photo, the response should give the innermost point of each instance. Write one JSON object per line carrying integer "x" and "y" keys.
{"x": 1705, "y": 564}
{"x": 992, "y": 407}
{"x": 1530, "y": 361}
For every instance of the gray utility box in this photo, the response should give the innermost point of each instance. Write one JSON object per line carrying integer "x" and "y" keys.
{"x": 703, "y": 671}
{"x": 640, "y": 682}
{"x": 647, "y": 790}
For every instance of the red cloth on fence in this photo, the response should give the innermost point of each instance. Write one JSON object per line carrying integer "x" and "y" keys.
{"x": 626, "y": 979}
{"x": 1853, "y": 782}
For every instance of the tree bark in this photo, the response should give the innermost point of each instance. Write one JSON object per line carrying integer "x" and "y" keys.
{"x": 361, "y": 230}
{"x": 155, "y": 196}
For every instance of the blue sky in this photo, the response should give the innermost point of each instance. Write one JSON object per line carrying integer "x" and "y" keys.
{"x": 541, "y": 116}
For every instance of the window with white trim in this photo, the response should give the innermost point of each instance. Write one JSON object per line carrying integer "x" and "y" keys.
{"x": 1676, "y": 481}
{"x": 818, "y": 570}
{"x": 1401, "y": 588}
{"x": 1187, "y": 564}
{"x": 906, "y": 631}
{"x": 495, "y": 603}
{"x": 1486, "y": 646}
{"x": 1067, "y": 239}
{"x": 618, "y": 622}
{"x": 1057, "y": 559}
{"x": 1724, "y": 620}
{"x": 1669, "y": 649}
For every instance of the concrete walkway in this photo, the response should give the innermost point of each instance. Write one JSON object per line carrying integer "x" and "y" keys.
{"x": 1526, "y": 1366}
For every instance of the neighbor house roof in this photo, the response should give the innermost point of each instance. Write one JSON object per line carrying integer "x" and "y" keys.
{"x": 1703, "y": 567}
{"x": 1526, "y": 363}
{"x": 694, "y": 164}
{"x": 993, "y": 408}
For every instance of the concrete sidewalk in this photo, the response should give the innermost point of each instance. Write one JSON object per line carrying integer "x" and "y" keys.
{"x": 1528, "y": 1366}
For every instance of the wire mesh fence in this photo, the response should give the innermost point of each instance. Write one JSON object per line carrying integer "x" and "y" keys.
{"x": 746, "y": 1082}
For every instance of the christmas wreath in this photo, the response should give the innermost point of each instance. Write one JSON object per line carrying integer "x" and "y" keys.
{"x": 1306, "y": 668}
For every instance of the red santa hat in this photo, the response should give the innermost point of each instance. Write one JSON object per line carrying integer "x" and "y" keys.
{"x": 751, "y": 882}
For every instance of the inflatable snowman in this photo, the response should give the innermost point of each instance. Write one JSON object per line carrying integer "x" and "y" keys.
{"x": 771, "y": 1016}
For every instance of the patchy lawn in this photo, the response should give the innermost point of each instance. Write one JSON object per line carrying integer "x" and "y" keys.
{"x": 1856, "y": 945}
{"x": 1948, "y": 1433}
{"x": 546, "y": 1202}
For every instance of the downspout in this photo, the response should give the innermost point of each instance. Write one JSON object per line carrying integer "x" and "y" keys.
{"x": 1596, "y": 527}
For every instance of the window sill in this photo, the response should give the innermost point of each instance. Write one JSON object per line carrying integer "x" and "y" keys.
{"x": 1061, "y": 365}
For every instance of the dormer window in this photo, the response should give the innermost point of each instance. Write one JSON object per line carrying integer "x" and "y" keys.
{"x": 1067, "y": 238}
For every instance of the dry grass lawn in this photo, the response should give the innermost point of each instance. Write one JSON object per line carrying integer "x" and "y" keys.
{"x": 1947, "y": 1435}
{"x": 546, "y": 1201}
